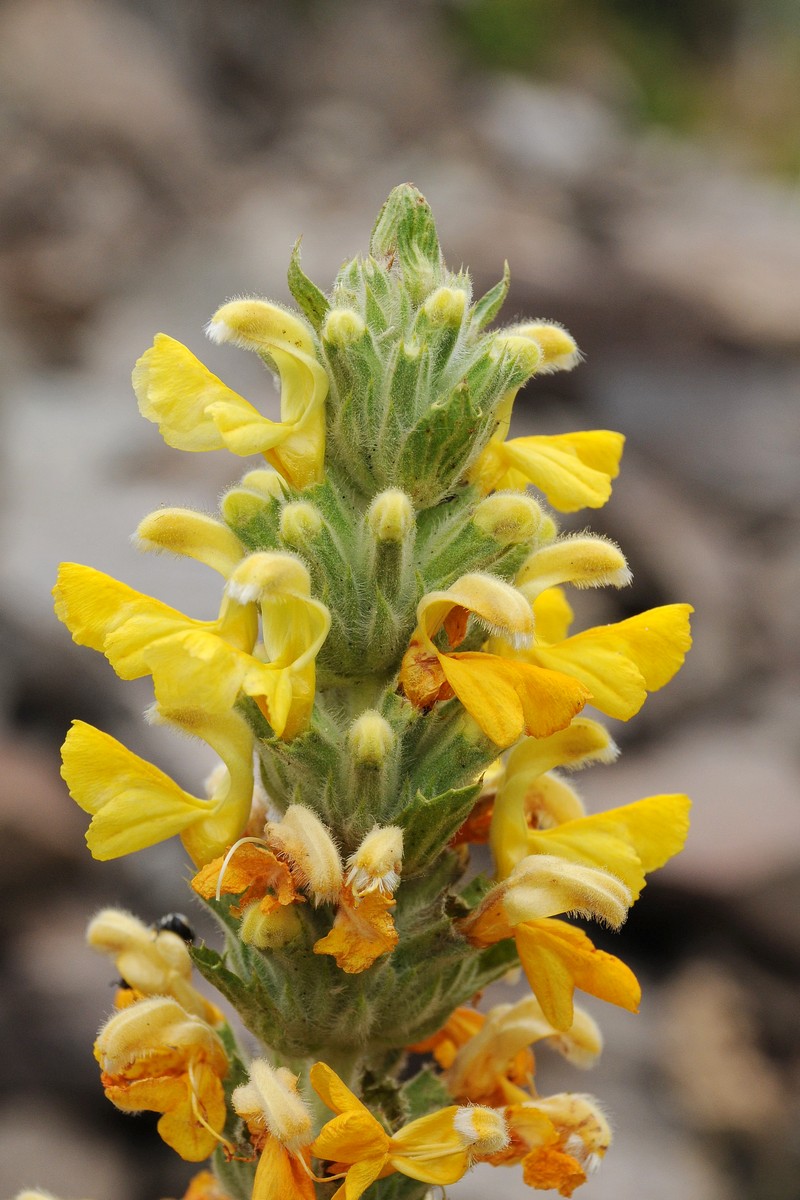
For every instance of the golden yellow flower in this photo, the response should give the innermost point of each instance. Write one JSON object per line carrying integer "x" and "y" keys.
{"x": 619, "y": 663}
{"x": 559, "y": 1140}
{"x": 438, "y": 1148}
{"x": 504, "y": 696}
{"x": 557, "y": 957}
{"x": 280, "y": 1127}
{"x": 134, "y": 804}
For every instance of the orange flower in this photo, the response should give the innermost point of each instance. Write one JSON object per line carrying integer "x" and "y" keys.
{"x": 459, "y": 1027}
{"x": 558, "y": 1139}
{"x": 252, "y": 872}
{"x": 155, "y": 1056}
{"x": 362, "y": 931}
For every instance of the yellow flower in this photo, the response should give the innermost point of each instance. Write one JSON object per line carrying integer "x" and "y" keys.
{"x": 153, "y": 962}
{"x": 574, "y": 470}
{"x": 214, "y": 671}
{"x": 194, "y": 410}
{"x": 557, "y": 957}
{"x": 619, "y": 663}
{"x": 280, "y": 1127}
{"x": 505, "y": 697}
{"x": 438, "y": 1148}
{"x": 155, "y": 1056}
{"x": 518, "y": 802}
{"x": 210, "y": 662}
{"x": 363, "y": 928}
{"x": 590, "y": 865}
{"x": 134, "y": 804}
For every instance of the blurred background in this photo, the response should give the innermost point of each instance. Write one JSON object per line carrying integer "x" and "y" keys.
{"x": 637, "y": 163}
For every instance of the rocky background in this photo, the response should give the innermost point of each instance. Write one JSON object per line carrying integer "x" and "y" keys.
{"x": 637, "y": 164}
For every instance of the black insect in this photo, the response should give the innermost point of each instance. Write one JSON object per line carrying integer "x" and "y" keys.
{"x": 176, "y": 923}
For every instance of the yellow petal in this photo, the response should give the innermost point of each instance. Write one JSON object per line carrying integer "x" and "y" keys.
{"x": 574, "y": 470}
{"x": 330, "y": 1089}
{"x": 360, "y": 1176}
{"x": 557, "y": 958}
{"x": 181, "y": 1129}
{"x": 594, "y": 845}
{"x": 622, "y": 662}
{"x": 362, "y": 931}
{"x": 545, "y": 885}
{"x": 443, "y": 1169}
{"x": 628, "y": 841}
{"x": 133, "y": 803}
{"x": 91, "y": 603}
{"x": 193, "y": 534}
{"x": 175, "y": 391}
{"x": 508, "y": 698}
{"x": 553, "y": 616}
{"x": 260, "y": 325}
{"x": 499, "y": 606}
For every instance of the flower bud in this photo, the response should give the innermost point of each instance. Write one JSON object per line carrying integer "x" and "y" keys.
{"x": 270, "y": 930}
{"x": 446, "y": 306}
{"x": 583, "y": 562}
{"x": 391, "y": 516}
{"x": 259, "y": 325}
{"x": 193, "y": 534}
{"x": 302, "y": 838}
{"x": 558, "y": 348}
{"x": 376, "y": 864}
{"x": 267, "y": 482}
{"x": 342, "y": 327}
{"x": 371, "y": 739}
{"x": 271, "y": 1100}
{"x": 526, "y": 352}
{"x": 300, "y": 523}
{"x": 239, "y": 507}
{"x": 509, "y": 518}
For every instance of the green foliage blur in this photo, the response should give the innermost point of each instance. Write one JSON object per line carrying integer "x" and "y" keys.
{"x": 724, "y": 69}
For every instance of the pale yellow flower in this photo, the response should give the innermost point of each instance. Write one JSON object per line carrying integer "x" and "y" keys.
{"x": 194, "y": 410}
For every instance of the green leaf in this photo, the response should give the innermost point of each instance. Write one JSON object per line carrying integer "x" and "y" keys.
{"x": 425, "y": 1093}
{"x": 429, "y": 824}
{"x": 311, "y": 300}
{"x": 487, "y": 308}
